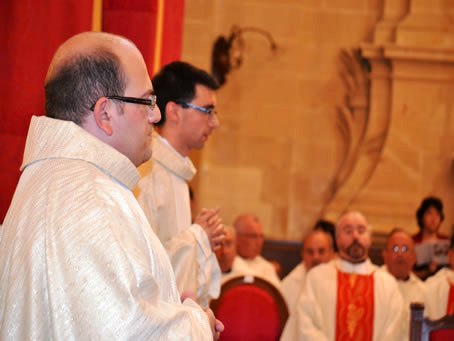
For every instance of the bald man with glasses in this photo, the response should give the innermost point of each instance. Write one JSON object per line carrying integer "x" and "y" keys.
{"x": 400, "y": 258}
{"x": 79, "y": 260}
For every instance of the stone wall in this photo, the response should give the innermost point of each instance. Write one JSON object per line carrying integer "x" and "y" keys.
{"x": 352, "y": 111}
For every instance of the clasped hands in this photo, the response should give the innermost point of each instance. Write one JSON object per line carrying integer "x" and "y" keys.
{"x": 211, "y": 222}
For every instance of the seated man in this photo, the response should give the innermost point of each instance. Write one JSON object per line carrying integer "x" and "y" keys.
{"x": 400, "y": 257}
{"x": 317, "y": 248}
{"x": 231, "y": 265}
{"x": 439, "y": 297}
{"x": 249, "y": 237}
{"x": 347, "y": 299}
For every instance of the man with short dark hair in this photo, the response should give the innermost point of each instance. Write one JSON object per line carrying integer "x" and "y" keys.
{"x": 78, "y": 257}
{"x": 347, "y": 299}
{"x": 187, "y": 100}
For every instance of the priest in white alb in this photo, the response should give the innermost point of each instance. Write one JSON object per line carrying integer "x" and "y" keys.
{"x": 187, "y": 100}
{"x": 79, "y": 260}
{"x": 347, "y": 298}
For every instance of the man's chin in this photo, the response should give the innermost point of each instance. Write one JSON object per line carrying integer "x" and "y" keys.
{"x": 356, "y": 258}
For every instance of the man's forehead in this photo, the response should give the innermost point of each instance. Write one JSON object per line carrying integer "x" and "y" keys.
{"x": 353, "y": 219}
{"x": 400, "y": 238}
{"x": 317, "y": 239}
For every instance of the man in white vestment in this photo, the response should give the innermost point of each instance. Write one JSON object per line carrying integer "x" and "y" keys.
{"x": 249, "y": 242}
{"x": 231, "y": 265}
{"x": 439, "y": 298}
{"x": 400, "y": 258}
{"x": 347, "y": 299}
{"x": 317, "y": 249}
{"x": 78, "y": 257}
{"x": 187, "y": 100}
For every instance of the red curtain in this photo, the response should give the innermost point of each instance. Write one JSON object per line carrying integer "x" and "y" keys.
{"x": 31, "y": 32}
{"x": 141, "y": 21}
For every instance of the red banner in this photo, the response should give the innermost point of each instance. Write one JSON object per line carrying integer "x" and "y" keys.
{"x": 156, "y": 27}
{"x": 32, "y": 31}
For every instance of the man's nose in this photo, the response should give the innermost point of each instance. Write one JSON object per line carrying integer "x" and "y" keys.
{"x": 154, "y": 115}
{"x": 214, "y": 121}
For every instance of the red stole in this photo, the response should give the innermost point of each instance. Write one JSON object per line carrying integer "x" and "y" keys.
{"x": 450, "y": 305}
{"x": 355, "y": 307}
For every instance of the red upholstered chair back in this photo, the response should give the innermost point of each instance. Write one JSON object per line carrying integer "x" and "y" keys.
{"x": 251, "y": 309}
{"x": 424, "y": 329}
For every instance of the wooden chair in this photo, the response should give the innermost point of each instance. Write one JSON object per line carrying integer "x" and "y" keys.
{"x": 424, "y": 329}
{"x": 251, "y": 308}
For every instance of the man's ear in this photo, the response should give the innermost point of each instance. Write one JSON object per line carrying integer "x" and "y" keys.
{"x": 173, "y": 112}
{"x": 102, "y": 115}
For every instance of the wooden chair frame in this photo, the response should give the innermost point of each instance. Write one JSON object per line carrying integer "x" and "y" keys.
{"x": 421, "y": 327}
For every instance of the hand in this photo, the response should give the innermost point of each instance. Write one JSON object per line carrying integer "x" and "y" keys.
{"x": 211, "y": 222}
{"x": 217, "y": 327}
{"x": 188, "y": 294}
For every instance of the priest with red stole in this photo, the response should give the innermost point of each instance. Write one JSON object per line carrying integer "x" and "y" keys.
{"x": 347, "y": 298}
{"x": 439, "y": 298}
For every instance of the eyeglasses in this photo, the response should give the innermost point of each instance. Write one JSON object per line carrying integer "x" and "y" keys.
{"x": 186, "y": 105}
{"x": 151, "y": 102}
{"x": 402, "y": 249}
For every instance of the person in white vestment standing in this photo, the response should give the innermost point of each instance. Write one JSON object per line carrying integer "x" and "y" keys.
{"x": 78, "y": 257}
{"x": 400, "y": 258}
{"x": 249, "y": 242}
{"x": 347, "y": 298}
{"x": 317, "y": 248}
{"x": 187, "y": 100}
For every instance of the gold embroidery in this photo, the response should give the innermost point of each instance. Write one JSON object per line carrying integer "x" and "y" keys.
{"x": 354, "y": 315}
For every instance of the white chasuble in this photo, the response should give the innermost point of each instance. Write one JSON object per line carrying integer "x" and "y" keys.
{"x": 79, "y": 260}
{"x": 317, "y": 306}
{"x": 164, "y": 197}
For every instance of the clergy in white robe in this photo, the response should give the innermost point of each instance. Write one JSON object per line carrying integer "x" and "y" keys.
{"x": 239, "y": 268}
{"x": 249, "y": 241}
{"x": 439, "y": 298}
{"x": 187, "y": 98}
{"x": 79, "y": 260}
{"x": 231, "y": 265}
{"x": 317, "y": 248}
{"x": 164, "y": 197}
{"x": 348, "y": 297}
{"x": 412, "y": 290}
{"x": 400, "y": 258}
{"x": 261, "y": 267}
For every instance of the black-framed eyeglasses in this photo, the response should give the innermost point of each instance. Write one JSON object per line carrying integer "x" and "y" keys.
{"x": 151, "y": 102}
{"x": 186, "y": 105}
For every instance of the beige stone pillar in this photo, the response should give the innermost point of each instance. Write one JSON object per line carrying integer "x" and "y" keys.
{"x": 412, "y": 101}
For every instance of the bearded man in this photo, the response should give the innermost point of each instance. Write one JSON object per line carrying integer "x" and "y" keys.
{"x": 347, "y": 298}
